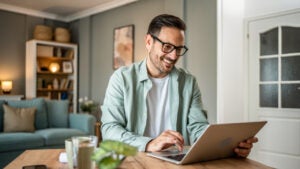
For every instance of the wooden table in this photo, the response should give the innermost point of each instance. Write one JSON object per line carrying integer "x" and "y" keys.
{"x": 49, "y": 157}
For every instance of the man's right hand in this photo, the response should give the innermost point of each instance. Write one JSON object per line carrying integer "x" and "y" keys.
{"x": 165, "y": 140}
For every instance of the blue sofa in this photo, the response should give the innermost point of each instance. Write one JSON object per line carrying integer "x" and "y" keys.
{"x": 53, "y": 124}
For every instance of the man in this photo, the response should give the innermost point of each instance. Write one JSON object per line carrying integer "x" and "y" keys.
{"x": 152, "y": 104}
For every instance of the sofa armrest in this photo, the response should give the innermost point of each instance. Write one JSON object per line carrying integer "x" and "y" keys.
{"x": 83, "y": 122}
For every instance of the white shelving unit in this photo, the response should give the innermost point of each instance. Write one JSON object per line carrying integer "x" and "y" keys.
{"x": 41, "y": 82}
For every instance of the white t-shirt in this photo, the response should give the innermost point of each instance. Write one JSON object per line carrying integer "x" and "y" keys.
{"x": 158, "y": 108}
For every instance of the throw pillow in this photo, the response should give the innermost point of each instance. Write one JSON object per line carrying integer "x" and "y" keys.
{"x": 18, "y": 119}
{"x": 58, "y": 113}
{"x": 41, "y": 120}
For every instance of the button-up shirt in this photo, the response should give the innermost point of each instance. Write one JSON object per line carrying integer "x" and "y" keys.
{"x": 124, "y": 110}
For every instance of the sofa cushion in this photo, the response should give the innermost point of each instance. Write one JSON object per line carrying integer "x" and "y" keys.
{"x": 57, "y": 113}
{"x": 18, "y": 119}
{"x": 57, "y": 136}
{"x": 41, "y": 121}
{"x": 20, "y": 141}
{"x": 1, "y": 115}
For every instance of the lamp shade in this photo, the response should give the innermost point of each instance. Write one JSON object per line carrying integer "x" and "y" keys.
{"x": 6, "y": 86}
{"x": 54, "y": 67}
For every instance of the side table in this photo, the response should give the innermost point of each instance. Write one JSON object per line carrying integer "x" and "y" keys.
{"x": 11, "y": 97}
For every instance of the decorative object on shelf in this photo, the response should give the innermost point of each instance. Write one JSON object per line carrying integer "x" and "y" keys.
{"x": 87, "y": 105}
{"x": 62, "y": 35}
{"x": 58, "y": 52}
{"x": 54, "y": 67}
{"x": 6, "y": 86}
{"x": 42, "y": 32}
{"x": 110, "y": 153}
{"x": 123, "y": 46}
{"x": 67, "y": 67}
{"x": 45, "y": 51}
{"x": 55, "y": 83}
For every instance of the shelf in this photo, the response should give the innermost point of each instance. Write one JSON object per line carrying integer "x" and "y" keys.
{"x": 50, "y": 73}
{"x": 54, "y": 58}
{"x": 40, "y": 82}
{"x": 54, "y": 90}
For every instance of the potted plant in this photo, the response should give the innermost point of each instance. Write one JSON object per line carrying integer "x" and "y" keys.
{"x": 86, "y": 105}
{"x": 110, "y": 154}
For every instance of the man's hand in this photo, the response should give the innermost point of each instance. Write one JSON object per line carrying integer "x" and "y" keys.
{"x": 244, "y": 148}
{"x": 165, "y": 140}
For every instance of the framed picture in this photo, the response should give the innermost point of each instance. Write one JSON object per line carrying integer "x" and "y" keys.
{"x": 123, "y": 46}
{"x": 67, "y": 67}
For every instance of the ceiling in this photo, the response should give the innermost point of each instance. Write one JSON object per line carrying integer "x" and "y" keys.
{"x": 64, "y": 10}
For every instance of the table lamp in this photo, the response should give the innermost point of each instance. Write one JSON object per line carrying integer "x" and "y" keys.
{"x": 6, "y": 86}
{"x": 54, "y": 67}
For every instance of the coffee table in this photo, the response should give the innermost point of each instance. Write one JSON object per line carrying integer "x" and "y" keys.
{"x": 49, "y": 157}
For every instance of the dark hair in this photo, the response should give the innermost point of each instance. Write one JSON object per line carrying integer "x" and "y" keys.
{"x": 165, "y": 20}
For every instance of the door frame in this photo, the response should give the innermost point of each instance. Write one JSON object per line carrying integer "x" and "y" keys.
{"x": 247, "y": 21}
{"x": 247, "y": 58}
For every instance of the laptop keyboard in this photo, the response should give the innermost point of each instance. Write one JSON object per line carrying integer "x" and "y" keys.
{"x": 178, "y": 157}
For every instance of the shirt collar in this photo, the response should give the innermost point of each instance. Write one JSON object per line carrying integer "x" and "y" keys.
{"x": 144, "y": 73}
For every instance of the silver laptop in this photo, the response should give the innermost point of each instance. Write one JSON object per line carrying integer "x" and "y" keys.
{"x": 217, "y": 141}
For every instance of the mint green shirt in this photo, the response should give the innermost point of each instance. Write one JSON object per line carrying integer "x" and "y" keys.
{"x": 124, "y": 110}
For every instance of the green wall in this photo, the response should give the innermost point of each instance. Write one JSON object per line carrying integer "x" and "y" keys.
{"x": 15, "y": 30}
{"x": 96, "y": 41}
{"x": 94, "y": 34}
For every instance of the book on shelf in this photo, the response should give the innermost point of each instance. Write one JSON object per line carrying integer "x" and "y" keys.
{"x": 70, "y": 84}
{"x": 64, "y": 96}
{"x": 69, "y": 54}
{"x": 63, "y": 83}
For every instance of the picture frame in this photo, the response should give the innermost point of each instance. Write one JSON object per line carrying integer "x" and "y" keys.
{"x": 67, "y": 67}
{"x": 123, "y": 50}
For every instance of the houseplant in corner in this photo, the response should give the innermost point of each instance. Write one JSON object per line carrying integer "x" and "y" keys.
{"x": 110, "y": 154}
{"x": 86, "y": 105}
{"x": 91, "y": 107}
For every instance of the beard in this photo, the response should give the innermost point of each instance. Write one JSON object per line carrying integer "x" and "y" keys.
{"x": 162, "y": 64}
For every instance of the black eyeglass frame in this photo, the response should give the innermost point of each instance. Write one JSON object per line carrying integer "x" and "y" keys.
{"x": 174, "y": 47}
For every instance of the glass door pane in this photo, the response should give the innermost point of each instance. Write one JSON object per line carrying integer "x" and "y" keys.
{"x": 269, "y": 42}
{"x": 290, "y": 39}
{"x": 290, "y": 68}
{"x": 290, "y": 97}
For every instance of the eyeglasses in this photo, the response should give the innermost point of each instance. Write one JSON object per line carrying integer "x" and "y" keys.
{"x": 168, "y": 47}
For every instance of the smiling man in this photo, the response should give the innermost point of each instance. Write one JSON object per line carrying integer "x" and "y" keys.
{"x": 153, "y": 104}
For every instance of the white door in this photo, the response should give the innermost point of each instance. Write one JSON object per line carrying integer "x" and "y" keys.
{"x": 274, "y": 87}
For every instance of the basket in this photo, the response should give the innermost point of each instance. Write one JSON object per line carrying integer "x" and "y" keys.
{"x": 42, "y": 32}
{"x": 62, "y": 35}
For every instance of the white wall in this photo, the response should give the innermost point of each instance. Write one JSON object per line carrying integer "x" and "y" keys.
{"x": 201, "y": 59}
{"x": 254, "y": 8}
{"x": 230, "y": 73}
{"x": 232, "y": 65}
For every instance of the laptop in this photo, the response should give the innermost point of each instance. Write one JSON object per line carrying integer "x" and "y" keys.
{"x": 216, "y": 142}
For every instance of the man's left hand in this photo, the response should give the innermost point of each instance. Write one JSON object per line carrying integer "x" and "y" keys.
{"x": 244, "y": 148}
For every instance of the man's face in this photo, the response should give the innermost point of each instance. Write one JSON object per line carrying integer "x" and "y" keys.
{"x": 159, "y": 63}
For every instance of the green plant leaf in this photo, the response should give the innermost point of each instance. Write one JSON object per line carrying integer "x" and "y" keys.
{"x": 109, "y": 163}
{"x": 118, "y": 147}
{"x": 99, "y": 154}
{"x": 110, "y": 153}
